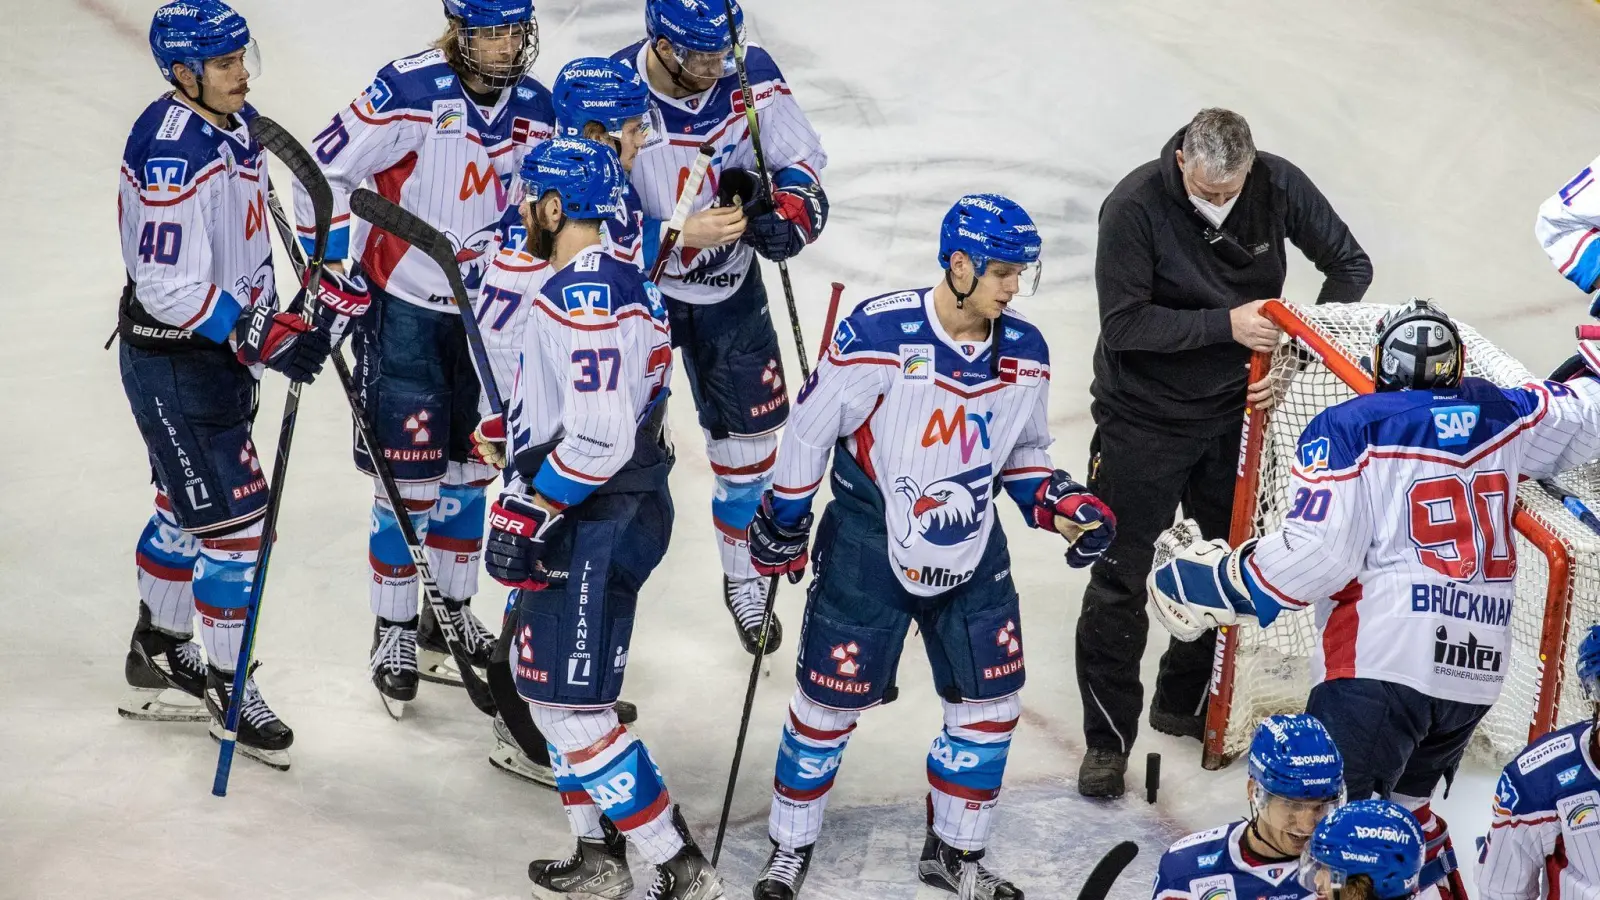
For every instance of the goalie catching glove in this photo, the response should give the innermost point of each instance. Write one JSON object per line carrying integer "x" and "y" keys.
{"x": 1093, "y": 524}
{"x": 514, "y": 555}
{"x": 1198, "y": 584}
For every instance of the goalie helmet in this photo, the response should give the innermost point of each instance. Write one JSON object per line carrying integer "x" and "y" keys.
{"x": 193, "y": 31}
{"x": 1375, "y": 838}
{"x": 1589, "y": 664}
{"x": 1294, "y": 757}
{"x": 1417, "y": 348}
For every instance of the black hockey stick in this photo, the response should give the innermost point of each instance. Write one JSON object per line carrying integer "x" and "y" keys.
{"x": 274, "y": 139}
{"x": 1105, "y": 872}
{"x": 477, "y": 691}
{"x": 384, "y": 214}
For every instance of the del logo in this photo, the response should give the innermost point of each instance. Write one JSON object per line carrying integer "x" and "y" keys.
{"x": 968, "y": 431}
{"x": 947, "y": 512}
{"x": 1315, "y": 455}
{"x": 587, "y": 300}
{"x": 1454, "y": 424}
{"x": 916, "y": 362}
{"x": 1567, "y": 776}
{"x": 1217, "y": 887}
{"x": 1020, "y": 371}
{"x": 1580, "y": 812}
{"x": 449, "y": 118}
{"x": 164, "y": 175}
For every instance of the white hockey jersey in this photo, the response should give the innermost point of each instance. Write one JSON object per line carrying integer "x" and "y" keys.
{"x": 1546, "y": 824}
{"x": 1568, "y": 228}
{"x": 793, "y": 151}
{"x": 1399, "y": 528}
{"x": 423, "y": 143}
{"x": 931, "y": 426}
{"x": 192, "y": 206}
{"x": 596, "y": 356}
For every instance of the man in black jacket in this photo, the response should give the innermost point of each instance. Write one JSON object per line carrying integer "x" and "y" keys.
{"x": 1191, "y": 245}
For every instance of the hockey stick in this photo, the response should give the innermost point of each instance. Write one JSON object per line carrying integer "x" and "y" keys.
{"x": 680, "y": 213}
{"x": 766, "y": 625}
{"x": 766, "y": 181}
{"x": 1567, "y": 370}
{"x": 477, "y": 691}
{"x": 1105, "y": 872}
{"x": 274, "y": 139}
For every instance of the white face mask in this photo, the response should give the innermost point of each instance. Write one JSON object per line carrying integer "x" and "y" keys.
{"x": 1214, "y": 214}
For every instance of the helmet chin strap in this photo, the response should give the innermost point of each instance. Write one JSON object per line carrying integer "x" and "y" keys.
{"x": 1255, "y": 831}
{"x": 199, "y": 98}
{"x": 961, "y": 296}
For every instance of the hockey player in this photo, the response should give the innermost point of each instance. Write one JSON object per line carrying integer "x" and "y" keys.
{"x": 1296, "y": 778}
{"x": 934, "y": 397}
{"x": 441, "y": 133}
{"x": 1546, "y": 806}
{"x": 198, "y": 321}
{"x": 604, "y": 101}
{"x": 713, "y": 283}
{"x": 1368, "y": 850}
{"x": 1399, "y": 533}
{"x": 1567, "y": 225}
{"x": 584, "y": 520}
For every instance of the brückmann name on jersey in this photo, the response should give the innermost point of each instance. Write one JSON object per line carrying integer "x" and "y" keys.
{"x": 1455, "y": 601}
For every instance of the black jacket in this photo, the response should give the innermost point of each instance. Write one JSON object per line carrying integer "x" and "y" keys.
{"x": 1166, "y": 357}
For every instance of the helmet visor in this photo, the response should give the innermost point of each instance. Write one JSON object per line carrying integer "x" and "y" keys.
{"x": 500, "y": 55}
{"x": 1318, "y": 877}
{"x": 1026, "y": 274}
{"x": 709, "y": 65}
{"x": 252, "y": 59}
{"x": 1293, "y": 817}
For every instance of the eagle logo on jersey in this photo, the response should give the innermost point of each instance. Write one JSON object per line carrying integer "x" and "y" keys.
{"x": 947, "y": 512}
{"x": 471, "y": 255}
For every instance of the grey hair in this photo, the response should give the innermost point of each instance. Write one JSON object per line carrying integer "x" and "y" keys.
{"x": 1219, "y": 142}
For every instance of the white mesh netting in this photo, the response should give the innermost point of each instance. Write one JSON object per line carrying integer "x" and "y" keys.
{"x": 1271, "y": 668}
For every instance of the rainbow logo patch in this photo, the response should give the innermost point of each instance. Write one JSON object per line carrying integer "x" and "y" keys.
{"x": 1582, "y": 814}
{"x": 1220, "y": 892}
{"x": 449, "y": 119}
{"x": 916, "y": 362}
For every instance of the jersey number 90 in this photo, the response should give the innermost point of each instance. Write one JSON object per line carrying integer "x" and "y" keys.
{"x": 1462, "y": 526}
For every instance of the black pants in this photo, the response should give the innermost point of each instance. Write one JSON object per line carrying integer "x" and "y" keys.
{"x": 1394, "y": 739}
{"x": 1143, "y": 476}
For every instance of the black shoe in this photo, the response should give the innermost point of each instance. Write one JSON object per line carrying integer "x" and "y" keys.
{"x": 597, "y": 869}
{"x": 747, "y": 603}
{"x": 1101, "y": 773}
{"x": 784, "y": 873}
{"x": 1178, "y": 724}
{"x": 394, "y": 659}
{"x": 158, "y": 660}
{"x": 946, "y": 868}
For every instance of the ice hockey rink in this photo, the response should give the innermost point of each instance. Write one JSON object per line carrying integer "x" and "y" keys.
{"x": 1435, "y": 126}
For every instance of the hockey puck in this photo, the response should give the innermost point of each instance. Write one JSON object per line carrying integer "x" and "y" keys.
{"x": 1152, "y": 776}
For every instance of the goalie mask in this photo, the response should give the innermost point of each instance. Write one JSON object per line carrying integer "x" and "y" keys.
{"x": 1417, "y": 348}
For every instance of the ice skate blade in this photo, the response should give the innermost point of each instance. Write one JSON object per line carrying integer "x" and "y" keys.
{"x": 541, "y": 893}
{"x": 510, "y": 760}
{"x": 438, "y": 668}
{"x": 395, "y": 708}
{"x": 272, "y": 759}
{"x": 162, "y": 705}
{"x": 927, "y": 891}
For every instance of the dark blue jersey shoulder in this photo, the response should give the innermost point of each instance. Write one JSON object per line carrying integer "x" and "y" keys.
{"x": 898, "y": 323}
{"x": 415, "y": 82}
{"x": 1457, "y": 421}
{"x": 1553, "y": 767}
{"x": 171, "y": 145}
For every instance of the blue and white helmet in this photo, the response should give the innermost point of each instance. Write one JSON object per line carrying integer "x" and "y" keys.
{"x": 991, "y": 227}
{"x": 489, "y": 13}
{"x": 193, "y": 31}
{"x": 1589, "y": 663}
{"x": 597, "y": 89}
{"x": 1375, "y": 838}
{"x": 480, "y": 20}
{"x": 697, "y": 31}
{"x": 585, "y": 174}
{"x": 1294, "y": 757}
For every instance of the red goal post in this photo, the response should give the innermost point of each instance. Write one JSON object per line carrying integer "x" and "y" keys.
{"x": 1257, "y": 672}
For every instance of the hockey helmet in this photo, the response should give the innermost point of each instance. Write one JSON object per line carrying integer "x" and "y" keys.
{"x": 1294, "y": 757}
{"x": 586, "y": 175}
{"x": 481, "y": 20}
{"x": 1589, "y": 663}
{"x": 698, "y": 32}
{"x": 1379, "y": 839}
{"x": 193, "y": 31}
{"x": 597, "y": 89}
{"x": 989, "y": 226}
{"x": 1417, "y": 347}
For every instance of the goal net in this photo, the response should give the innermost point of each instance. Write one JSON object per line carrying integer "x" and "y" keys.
{"x": 1258, "y": 672}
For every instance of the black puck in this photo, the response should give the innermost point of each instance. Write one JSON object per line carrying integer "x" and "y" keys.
{"x": 1152, "y": 776}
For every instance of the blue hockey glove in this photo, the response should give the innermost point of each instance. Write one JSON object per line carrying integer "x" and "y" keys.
{"x": 776, "y": 549}
{"x": 1092, "y": 520}
{"x": 518, "y": 528}
{"x": 797, "y": 217}
{"x": 1200, "y": 584}
{"x": 283, "y": 342}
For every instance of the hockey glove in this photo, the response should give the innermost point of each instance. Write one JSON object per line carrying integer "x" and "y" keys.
{"x": 797, "y": 218}
{"x": 1198, "y": 584}
{"x": 778, "y": 549}
{"x": 1093, "y": 522}
{"x": 489, "y": 441}
{"x": 518, "y": 528}
{"x": 340, "y": 298}
{"x": 282, "y": 341}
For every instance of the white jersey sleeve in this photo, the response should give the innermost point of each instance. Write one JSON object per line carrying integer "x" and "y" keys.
{"x": 1568, "y": 227}
{"x": 1029, "y": 462}
{"x": 1568, "y": 434}
{"x": 1544, "y": 837}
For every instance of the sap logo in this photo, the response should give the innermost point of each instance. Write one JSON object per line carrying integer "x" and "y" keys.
{"x": 969, "y": 430}
{"x": 1013, "y": 334}
{"x": 911, "y": 327}
{"x": 449, "y": 118}
{"x": 947, "y": 512}
{"x": 1315, "y": 455}
{"x": 916, "y": 362}
{"x": 951, "y": 759}
{"x": 1454, "y": 424}
{"x": 524, "y": 93}
{"x": 1580, "y": 812}
{"x": 1208, "y": 860}
{"x": 165, "y": 175}
{"x": 587, "y": 300}
{"x": 1567, "y": 776}
{"x": 1020, "y": 371}
{"x": 814, "y": 768}
{"x": 377, "y": 96}
{"x": 443, "y": 82}
{"x": 615, "y": 792}
{"x": 843, "y": 336}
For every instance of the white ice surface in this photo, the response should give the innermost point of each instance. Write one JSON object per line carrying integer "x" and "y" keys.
{"x": 1436, "y": 127}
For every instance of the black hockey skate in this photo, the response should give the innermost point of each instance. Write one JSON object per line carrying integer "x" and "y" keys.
{"x": 166, "y": 674}
{"x": 784, "y": 873}
{"x": 687, "y": 876}
{"x": 394, "y": 664}
{"x": 747, "y": 602}
{"x": 262, "y": 735}
{"x": 596, "y": 870}
{"x": 438, "y": 666}
{"x": 959, "y": 872}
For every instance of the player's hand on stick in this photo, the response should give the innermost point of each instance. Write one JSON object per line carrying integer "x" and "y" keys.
{"x": 777, "y": 549}
{"x": 489, "y": 441}
{"x": 283, "y": 342}
{"x": 1197, "y": 585}
{"x": 518, "y": 529}
{"x": 1253, "y": 329}
{"x": 340, "y": 298}
{"x": 797, "y": 217}
{"x": 713, "y": 227}
{"x": 1067, "y": 507}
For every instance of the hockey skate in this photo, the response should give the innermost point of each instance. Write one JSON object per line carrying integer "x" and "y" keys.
{"x": 262, "y": 735}
{"x": 508, "y": 757}
{"x": 687, "y": 876}
{"x": 394, "y": 664}
{"x": 784, "y": 873}
{"x": 947, "y": 870}
{"x": 437, "y": 665}
{"x": 166, "y": 676}
{"x": 596, "y": 870}
{"x": 747, "y": 603}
